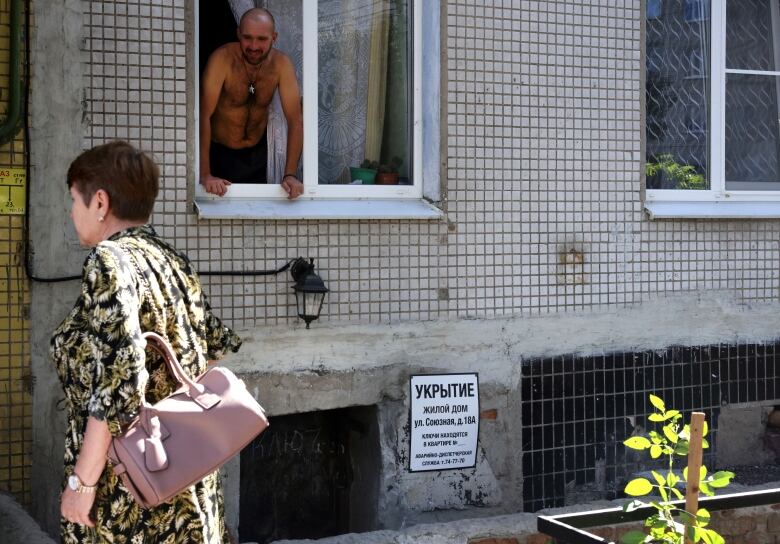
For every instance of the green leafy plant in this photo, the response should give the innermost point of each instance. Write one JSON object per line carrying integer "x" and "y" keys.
{"x": 668, "y": 523}
{"x": 392, "y": 167}
{"x": 684, "y": 175}
{"x": 370, "y": 165}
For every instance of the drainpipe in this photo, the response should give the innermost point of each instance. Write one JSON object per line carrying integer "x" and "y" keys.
{"x": 13, "y": 111}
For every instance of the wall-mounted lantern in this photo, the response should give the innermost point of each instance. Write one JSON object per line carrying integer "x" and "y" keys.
{"x": 309, "y": 289}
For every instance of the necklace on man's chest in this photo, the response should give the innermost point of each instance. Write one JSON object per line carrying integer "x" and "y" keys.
{"x": 250, "y": 99}
{"x": 251, "y": 80}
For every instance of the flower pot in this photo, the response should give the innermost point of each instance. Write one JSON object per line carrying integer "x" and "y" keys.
{"x": 387, "y": 178}
{"x": 365, "y": 175}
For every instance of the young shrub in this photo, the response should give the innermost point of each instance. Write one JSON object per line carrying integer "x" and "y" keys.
{"x": 668, "y": 524}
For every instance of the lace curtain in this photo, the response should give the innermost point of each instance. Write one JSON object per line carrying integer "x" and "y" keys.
{"x": 353, "y": 46}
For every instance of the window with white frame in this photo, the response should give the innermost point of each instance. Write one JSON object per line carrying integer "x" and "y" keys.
{"x": 712, "y": 93}
{"x": 359, "y": 67}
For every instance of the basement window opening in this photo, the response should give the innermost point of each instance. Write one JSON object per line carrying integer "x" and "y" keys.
{"x": 311, "y": 475}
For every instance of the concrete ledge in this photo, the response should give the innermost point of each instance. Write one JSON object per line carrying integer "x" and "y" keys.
{"x": 16, "y": 525}
{"x": 692, "y": 319}
{"x": 521, "y": 527}
{"x": 439, "y": 533}
{"x": 497, "y": 528}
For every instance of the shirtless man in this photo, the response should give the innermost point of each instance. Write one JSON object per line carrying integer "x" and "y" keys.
{"x": 237, "y": 87}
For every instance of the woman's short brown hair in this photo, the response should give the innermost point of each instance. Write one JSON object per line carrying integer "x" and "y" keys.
{"x": 129, "y": 176}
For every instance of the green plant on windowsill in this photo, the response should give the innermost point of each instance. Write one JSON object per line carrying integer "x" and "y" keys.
{"x": 388, "y": 173}
{"x": 668, "y": 524}
{"x": 683, "y": 175}
{"x": 365, "y": 173}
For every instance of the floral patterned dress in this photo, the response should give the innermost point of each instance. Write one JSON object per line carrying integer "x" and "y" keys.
{"x": 136, "y": 282}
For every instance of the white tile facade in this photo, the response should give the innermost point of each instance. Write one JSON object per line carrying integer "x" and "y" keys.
{"x": 543, "y": 190}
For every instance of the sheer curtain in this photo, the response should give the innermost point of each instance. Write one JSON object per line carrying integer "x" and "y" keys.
{"x": 353, "y": 49}
{"x": 239, "y": 7}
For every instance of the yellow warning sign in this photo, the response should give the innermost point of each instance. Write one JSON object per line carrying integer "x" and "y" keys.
{"x": 13, "y": 184}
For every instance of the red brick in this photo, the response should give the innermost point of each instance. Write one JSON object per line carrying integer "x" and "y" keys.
{"x": 773, "y": 523}
{"x": 737, "y": 526}
{"x": 511, "y": 540}
{"x": 751, "y": 538}
{"x": 603, "y": 532}
{"x": 538, "y": 538}
{"x": 489, "y": 414}
{"x": 757, "y": 537}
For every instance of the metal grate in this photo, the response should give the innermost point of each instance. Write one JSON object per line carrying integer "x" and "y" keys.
{"x": 15, "y": 376}
{"x": 576, "y": 412}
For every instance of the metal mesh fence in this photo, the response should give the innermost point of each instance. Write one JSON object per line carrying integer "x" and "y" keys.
{"x": 15, "y": 377}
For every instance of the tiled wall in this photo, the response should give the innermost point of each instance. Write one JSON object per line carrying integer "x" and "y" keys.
{"x": 542, "y": 196}
{"x": 542, "y": 199}
{"x": 15, "y": 382}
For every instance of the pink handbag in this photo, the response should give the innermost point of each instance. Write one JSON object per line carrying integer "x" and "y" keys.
{"x": 187, "y": 435}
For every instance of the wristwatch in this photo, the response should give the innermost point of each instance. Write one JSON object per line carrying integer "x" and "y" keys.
{"x": 75, "y": 483}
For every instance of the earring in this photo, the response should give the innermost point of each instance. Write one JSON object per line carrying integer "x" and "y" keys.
{"x": 100, "y": 218}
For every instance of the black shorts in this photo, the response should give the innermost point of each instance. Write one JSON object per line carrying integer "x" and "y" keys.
{"x": 245, "y": 165}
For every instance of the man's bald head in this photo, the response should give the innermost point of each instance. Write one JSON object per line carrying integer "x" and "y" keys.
{"x": 256, "y": 35}
{"x": 258, "y": 15}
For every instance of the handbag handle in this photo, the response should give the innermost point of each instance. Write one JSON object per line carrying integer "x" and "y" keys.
{"x": 155, "y": 456}
{"x": 196, "y": 391}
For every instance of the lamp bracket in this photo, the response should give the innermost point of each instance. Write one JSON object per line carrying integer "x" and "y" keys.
{"x": 300, "y": 268}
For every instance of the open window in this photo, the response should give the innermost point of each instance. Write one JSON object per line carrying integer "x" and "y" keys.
{"x": 359, "y": 67}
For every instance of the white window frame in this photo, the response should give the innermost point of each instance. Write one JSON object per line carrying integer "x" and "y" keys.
{"x": 340, "y": 201}
{"x": 716, "y": 201}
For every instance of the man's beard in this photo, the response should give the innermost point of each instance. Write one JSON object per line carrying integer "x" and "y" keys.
{"x": 259, "y": 61}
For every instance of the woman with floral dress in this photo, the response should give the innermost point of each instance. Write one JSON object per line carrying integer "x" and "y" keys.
{"x": 132, "y": 282}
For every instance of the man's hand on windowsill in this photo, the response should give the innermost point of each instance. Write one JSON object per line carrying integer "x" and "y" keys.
{"x": 214, "y": 185}
{"x": 292, "y": 186}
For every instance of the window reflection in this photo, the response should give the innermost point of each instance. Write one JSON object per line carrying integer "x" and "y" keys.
{"x": 677, "y": 95}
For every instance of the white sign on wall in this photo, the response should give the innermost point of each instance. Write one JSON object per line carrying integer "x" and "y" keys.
{"x": 444, "y": 410}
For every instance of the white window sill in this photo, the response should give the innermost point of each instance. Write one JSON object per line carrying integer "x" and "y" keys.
{"x": 712, "y": 210}
{"x": 227, "y": 208}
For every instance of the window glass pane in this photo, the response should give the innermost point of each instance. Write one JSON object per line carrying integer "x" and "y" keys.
{"x": 696, "y": 10}
{"x": 364, "y": 90}
{"x": 677, "y": 65}
{"x": 752, "y": 139}
{"x": 654, "y": 8}
{"x": 751, "y": 43}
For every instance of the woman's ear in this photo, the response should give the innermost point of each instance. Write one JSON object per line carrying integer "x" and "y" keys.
{"x": 102, "y": 202}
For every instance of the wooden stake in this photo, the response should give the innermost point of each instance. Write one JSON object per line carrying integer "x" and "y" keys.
{"x": 694, "y": 466}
